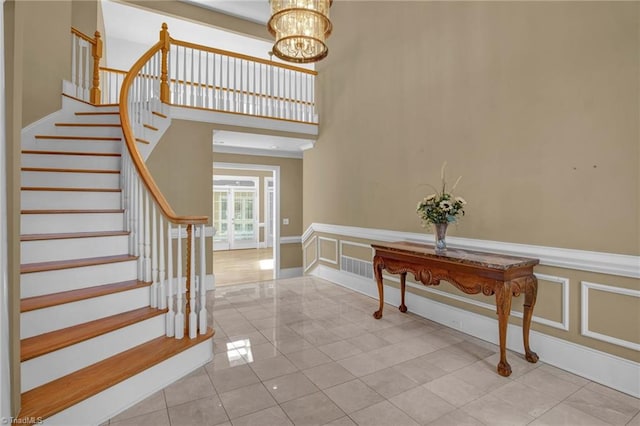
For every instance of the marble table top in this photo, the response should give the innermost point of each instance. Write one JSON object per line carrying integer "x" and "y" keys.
{"x": 468, "y": 257}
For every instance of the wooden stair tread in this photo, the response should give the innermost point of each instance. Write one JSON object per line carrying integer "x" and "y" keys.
{"x": 42, "y": 344}
{"x": 76, "y": 211}
{"x": 47, "y": 300}
{"x": 81, "y": 138}
{"x": 88, "y": 124}
{"x": 150, "y": 127}
{"x": 45, "y": 188}
{"x": 93, "y": 154}
{"x": 98, "y": 113}
{"x": 53, "y": 397}
{"x": 69, "y": 235}
{"x": 55, "y": 265}
{"x": 142, "y": 141}
{"x": 51, "y": 169}
{"x": 159, "y": 114}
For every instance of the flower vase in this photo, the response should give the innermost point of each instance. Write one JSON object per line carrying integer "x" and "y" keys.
{"x": 441, "y": 231}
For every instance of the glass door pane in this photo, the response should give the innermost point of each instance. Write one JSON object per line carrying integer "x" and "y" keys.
{"x": 244, "y": 229}
{"x": 221, "y": 218}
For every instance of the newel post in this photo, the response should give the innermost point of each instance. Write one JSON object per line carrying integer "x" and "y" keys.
{"x": 164, "y": 77}
{"x": 96, "y": 52}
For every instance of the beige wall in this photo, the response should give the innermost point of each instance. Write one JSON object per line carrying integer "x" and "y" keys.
{"x": 535, "y": 104}
{"x": 46, "y": 55}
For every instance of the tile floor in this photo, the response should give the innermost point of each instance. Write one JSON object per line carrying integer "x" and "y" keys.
{"x": 307, "y": 352}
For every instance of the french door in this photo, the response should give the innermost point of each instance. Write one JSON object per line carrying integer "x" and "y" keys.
{"x": 235, "y": 214}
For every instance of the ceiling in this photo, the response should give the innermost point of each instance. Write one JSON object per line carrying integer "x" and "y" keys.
{"x": 141, "y": 26}
{"x": 251, "y": 10}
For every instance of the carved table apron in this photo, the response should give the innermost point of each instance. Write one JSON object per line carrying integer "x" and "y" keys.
{"x": 471, "y": 272}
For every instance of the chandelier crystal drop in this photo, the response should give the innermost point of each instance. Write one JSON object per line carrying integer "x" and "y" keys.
{"x": 300, "y": 28}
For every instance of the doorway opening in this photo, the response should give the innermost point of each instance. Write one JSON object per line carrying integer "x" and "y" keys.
{"x": 246, "y": 208}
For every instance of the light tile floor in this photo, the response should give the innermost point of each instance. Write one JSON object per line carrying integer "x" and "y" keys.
{"x": 307, "y": 352}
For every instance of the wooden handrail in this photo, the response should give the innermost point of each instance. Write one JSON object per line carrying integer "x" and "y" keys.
{"x": 241, "y": 56}
{"x": 82, "y": 35}
{"x": 112, "y": 70}
{"x": 130, "y": 141}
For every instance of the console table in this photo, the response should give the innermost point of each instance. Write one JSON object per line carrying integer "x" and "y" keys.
{"x": 472, "y": 272}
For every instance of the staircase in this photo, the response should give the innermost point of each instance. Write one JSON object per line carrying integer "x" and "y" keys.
{"x": 91, "y": 345}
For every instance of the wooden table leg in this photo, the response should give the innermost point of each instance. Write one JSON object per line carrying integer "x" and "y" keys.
{"x": 530, "y": 294}
{"x": 403, "y": 286}
{"x": 503, "y": 305}
{"x": 378, "y": 266}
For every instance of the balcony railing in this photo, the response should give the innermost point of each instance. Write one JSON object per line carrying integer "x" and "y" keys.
{"x": 196, "y": 76}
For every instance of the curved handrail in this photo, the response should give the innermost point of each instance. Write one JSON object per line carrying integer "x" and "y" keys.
{"x": 130, "y": 141}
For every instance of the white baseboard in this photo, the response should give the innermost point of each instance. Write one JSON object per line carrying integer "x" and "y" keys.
{"x": 290, "y": 273}
{"x": 609, "y": 370}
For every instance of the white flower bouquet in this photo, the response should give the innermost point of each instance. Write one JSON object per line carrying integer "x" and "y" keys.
{"x": 442, "y": 206}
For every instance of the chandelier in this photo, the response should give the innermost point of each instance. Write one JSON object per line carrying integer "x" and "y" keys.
{"x": 301, "y": 28}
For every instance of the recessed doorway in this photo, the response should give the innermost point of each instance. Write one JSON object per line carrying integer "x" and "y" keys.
{"x": 246, "y": 206}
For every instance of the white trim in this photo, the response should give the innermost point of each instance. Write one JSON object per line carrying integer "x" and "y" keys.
{"x": 290, "y": 273}
{"x": 276, "y": 230}
{"x": 305, "y": 263}
{"x": 242, "y": 120}
{"x": 609, "y": 370}
{"x": 564, "y": 325}
{"x": 584, "y": 288}
{"x": 335, "y": 244}
{"x": 295, "y": 239}
{"x": 255, "y": 151}
{"x": 581, "y": 260}
{"x": 5, "y": 342}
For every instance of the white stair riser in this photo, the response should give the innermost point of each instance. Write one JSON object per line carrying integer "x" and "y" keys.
{"x": 44, "y": 320}
{"x": 71, "y": 222}
{"x": 95, "y": 119}
{"x": 70, "y": 145}
{"x": 72, "y": 248}
{"x": 102, "y": 131}
{"x": 51, "y": 366}
{"x": 71, "y": 180}
{"x": 49, "y": 282}
{"x": 97, "y": 162}
{"x": 39, "y": 200}
{"x": 107, "y": 404}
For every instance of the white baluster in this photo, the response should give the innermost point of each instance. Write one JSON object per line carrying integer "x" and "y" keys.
{"x": 202, "y": 315}
{"x": 141, "y": 265}
{"x": 179, "y": 322}
{"x": 206, "y": 79}
{"x": 133, "y": 219}
{"x": 193, "y": 317}
{"x": 171, "y": 316}
{"x": 154, "y": 257}
{"x": 162, "y": 290}
{"x": 147, "y": 237}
